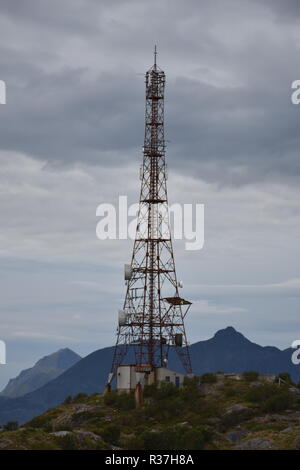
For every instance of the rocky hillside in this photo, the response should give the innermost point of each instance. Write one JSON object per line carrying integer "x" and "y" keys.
{"x": 214, "y": 411}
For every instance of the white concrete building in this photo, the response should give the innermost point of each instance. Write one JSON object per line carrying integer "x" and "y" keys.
{"x": 128, "y": 377}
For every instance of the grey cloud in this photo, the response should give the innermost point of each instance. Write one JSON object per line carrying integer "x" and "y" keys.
{"x": 67, "y": 118}
{"x": 228, "y": 107}
{"x": 288, "y": 10}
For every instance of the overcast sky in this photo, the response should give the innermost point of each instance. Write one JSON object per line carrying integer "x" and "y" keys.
{"x": 71, "y": 138}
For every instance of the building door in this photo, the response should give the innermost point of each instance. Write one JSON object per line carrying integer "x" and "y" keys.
{"x": 177, "y": 381}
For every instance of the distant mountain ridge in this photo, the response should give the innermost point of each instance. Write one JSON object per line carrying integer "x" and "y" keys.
{"x": 45, "y": 370}
{"x": 227, "y": 351}
{"x": 230, "y": 351}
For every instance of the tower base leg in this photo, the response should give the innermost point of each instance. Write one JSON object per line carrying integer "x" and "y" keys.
{"x": 107, "y": 389}
{"x": 138, "y": 395}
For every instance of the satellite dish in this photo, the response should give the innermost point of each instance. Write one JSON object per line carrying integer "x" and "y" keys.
{"x": 122, "y": 317}
{"x": 127, "y": 272}
{"x": 180, "y": 284}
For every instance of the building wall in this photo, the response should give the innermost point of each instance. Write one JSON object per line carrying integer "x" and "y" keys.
{"x": 127, "y": 378}
{"x": 124, "y": 378}
{"x": 167, "y": 375}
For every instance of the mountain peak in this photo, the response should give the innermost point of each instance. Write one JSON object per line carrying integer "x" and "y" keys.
{"x": 229, "y": 333}
{"x": 61, "y": 359}
{"x": 45, "y": 369}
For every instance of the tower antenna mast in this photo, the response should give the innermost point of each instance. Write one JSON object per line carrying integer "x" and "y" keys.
{"x": 152, "y": 319}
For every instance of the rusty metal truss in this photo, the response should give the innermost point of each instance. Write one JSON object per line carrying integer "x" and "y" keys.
{"x": 153, "y": 312}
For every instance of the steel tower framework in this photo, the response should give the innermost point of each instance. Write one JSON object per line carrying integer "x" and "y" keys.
{"x": 152, "y": 319}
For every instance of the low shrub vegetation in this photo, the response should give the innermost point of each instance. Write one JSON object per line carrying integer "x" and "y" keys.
{"x": 121, "y": 401}
{"x": 111, "y": 433}
{"x": 11, "y": 426}
{"x": 250, "y": 375}
{"x": 177, "y": 437}
{"x": 208, "y": 378}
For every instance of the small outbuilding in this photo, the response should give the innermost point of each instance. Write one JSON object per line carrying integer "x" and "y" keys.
{"x": 129, "y": 376}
